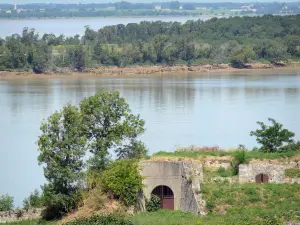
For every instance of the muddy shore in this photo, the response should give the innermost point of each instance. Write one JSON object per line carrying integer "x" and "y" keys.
{"x": 144, "y": 70}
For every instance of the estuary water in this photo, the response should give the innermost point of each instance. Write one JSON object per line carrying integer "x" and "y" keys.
{"x": 73, "y": 26}
{"x": 179, "y": 110}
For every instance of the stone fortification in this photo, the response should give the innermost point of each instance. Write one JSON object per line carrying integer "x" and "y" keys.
{"x": 274, "y": 171}
{"x": 183, "y": 178}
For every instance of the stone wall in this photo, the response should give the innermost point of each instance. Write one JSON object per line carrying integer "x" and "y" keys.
{"x": 183, "y": 178}
{"x": 275, "y": 171}
{"x": 18, "y": 215}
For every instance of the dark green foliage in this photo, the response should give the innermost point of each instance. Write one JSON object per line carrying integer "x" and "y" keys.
{"x": 108, "y": 123}
{"x": 35, "y": 200}
{"x": 134, "y": 150}
{"x": 6, "y": 202}
{"x": 77, "y": 57}
{"x": 41, "y": 57}
{"x": 58, "y": 204}
{"x": 103, "y": 122}
{"x": 101, "y": 220}
{"x": 123, "y": 180}
{"x": 273, "y": 137}
{"x": 242, "y": 56}
{"x": 61, "y": 148}
{"x": 153, "y": 204}
{"x": 295, "y": 146}
{"x": 235, "y": 40}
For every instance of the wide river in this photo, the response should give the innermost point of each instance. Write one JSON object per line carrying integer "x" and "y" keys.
{"x": 179, "y": 110}
{"x": 73, "y": 26}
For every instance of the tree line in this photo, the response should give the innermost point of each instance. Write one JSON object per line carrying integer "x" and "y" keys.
{"x": 235, "y": 40}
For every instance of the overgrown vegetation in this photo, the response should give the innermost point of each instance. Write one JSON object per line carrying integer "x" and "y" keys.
{"x": 250, "y": 203}
{"x": 35, "y": 200}
{"x": 102, "y": 124}
{"x": 6, "y": 202}
{"x": 292, "y": 173}
{"x": 123, "y": 180}
{"x": 235, "y": 40}
{"x": 248, "y": 154}
{"x": 153, "y": 204}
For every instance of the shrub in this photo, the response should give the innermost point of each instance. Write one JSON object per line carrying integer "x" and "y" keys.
{"x": 34, "y": 200}
{"x": 240, "y": 157}
{"x": 6, "y": 203}
{"x": 101, "y": 220}
{"x": 59, "y": 204}
{"x": 291, "y": 147}
{"x": 123, "y": 180}
{"x": 153, "y": 204}
{"x": 272, "y": 138}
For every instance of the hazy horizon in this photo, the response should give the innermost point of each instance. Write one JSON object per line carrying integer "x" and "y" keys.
{"x": 133, "y": 1}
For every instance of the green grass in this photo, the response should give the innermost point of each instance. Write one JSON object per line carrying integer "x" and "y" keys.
{"x": 249, "y": 154}
{"x": 25, "y": 222}
{"x": 292, "y": 173}
{"x": 243, "y": 204}
{"x": 165, "y": 217}
{"x": 251, "y": 202}
{"x": 31, "y": 222}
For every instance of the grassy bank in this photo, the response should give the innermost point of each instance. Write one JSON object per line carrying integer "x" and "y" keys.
{"x": 203, "y": 154}
{"x": 236, "y": 204}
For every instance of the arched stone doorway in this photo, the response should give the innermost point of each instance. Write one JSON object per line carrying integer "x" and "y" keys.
{"x": 261, "y": 178}
{"x": 166, "y": 196}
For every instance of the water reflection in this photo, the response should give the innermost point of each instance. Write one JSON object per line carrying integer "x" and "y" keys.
{"x": 179, "y": 110}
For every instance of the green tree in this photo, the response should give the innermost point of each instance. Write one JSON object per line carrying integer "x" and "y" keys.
{"x": 35, "y": 200}
{"x": 123, "y": 180}
{"x": 272, "y": 137}
{"x": 41, "y": 57}
{"x": 62, "y": 147}
{"x": 108, "y": 122}
{"x": 77, "y": 57}
{"x": 242, "y": 56}
{"x": 134, "y": 150}
{"x": 6, "y": 202}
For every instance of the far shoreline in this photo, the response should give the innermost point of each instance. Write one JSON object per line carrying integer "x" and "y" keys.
{"x": 143, "y": 71}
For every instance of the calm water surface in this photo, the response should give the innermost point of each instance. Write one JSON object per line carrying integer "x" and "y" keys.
{"x": 179, "y": 110}
{"x": 71, "y": 27}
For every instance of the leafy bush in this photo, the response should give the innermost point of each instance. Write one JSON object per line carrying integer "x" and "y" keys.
{"x": 34, "y": 200}
{"x": 123, "y": 180}
{"x": 101, "y": 220}
{"x": 240, "y": 157}
{"x": 273, "y": 137}
{"x": 292, "y": 173}
{"x": 291, "y": 147}
{"x": 6, "y": 202}
{"x": 57, "y": 204}
{"x": 153, "y": 204}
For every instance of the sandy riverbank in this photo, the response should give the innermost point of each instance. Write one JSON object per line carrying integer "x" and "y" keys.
{"x": 144, "y": 70}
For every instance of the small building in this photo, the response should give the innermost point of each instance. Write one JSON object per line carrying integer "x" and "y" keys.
{"x": 268, "y": 172}
{"x": 176, "y": 183}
